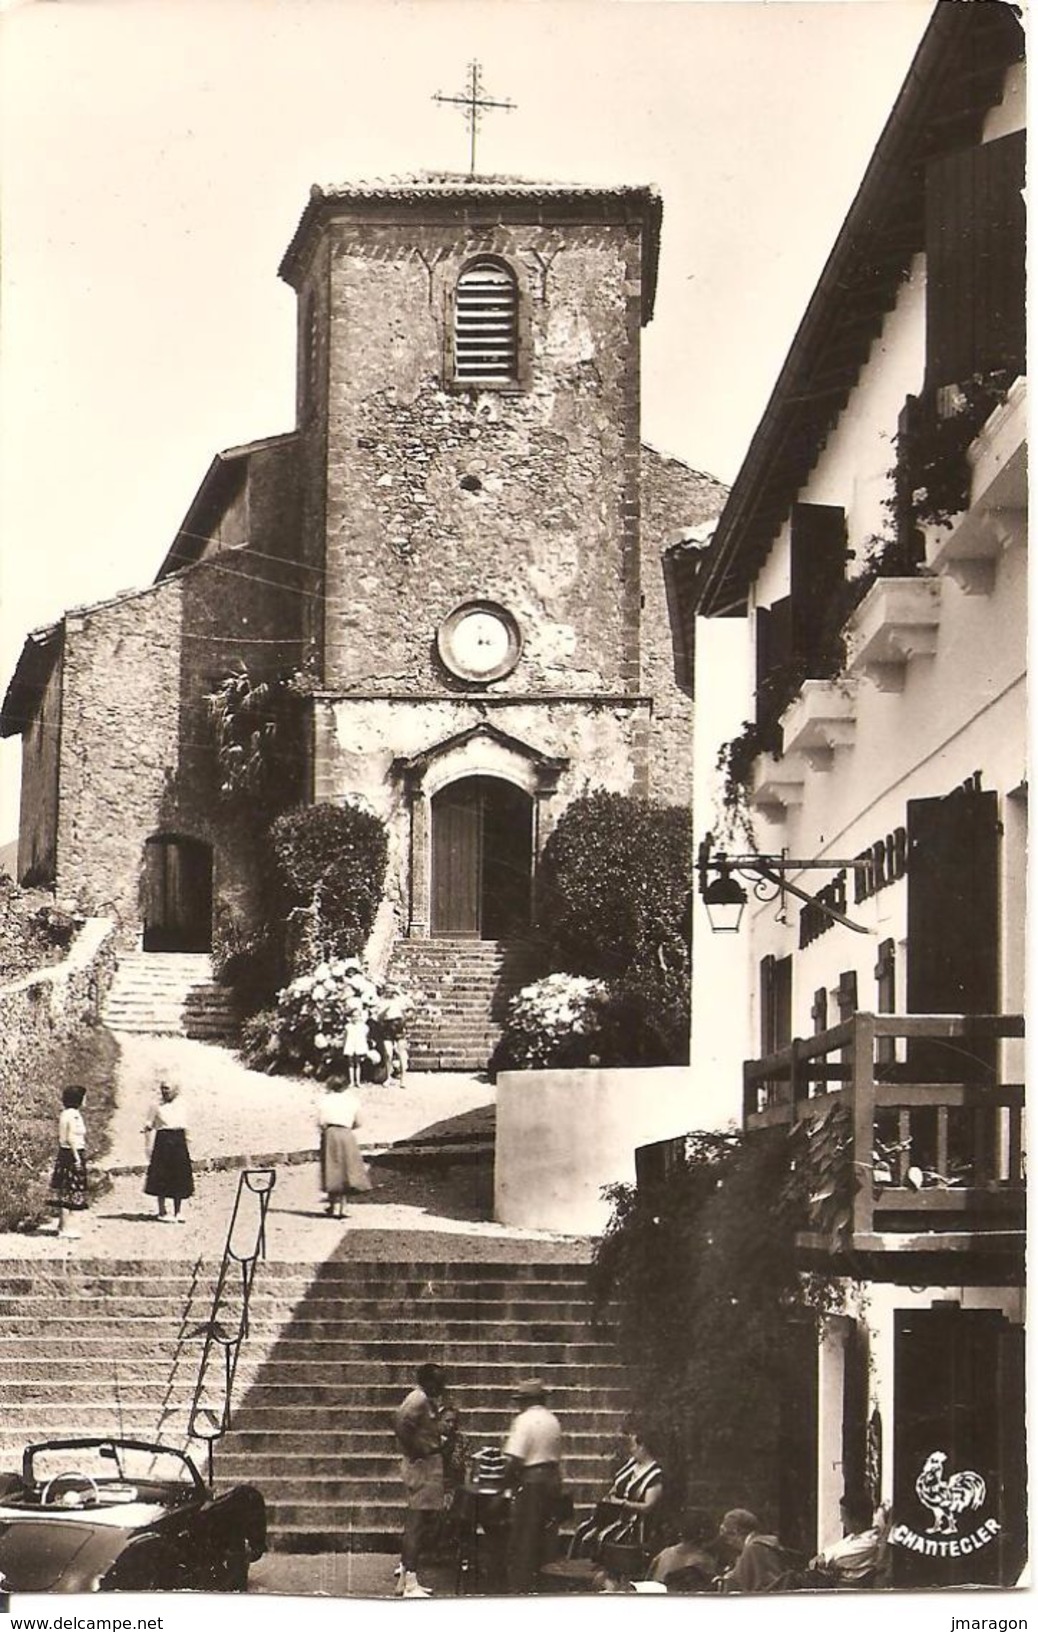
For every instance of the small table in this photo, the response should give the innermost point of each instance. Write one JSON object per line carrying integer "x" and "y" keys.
{"x": 480, "y": 1512}
{"x": 570, "y": 1575}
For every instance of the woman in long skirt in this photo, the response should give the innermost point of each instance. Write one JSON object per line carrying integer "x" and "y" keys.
{"x": 343, "y": 1168}
{"x": 69, "y": 1179}
{"x": 170, "y": 1177}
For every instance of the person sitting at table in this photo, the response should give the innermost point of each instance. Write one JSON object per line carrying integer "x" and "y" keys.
{"x": 857, "y": 1559}
{"x": 689, "y": 1565}
{"x": 620, "y": 1518}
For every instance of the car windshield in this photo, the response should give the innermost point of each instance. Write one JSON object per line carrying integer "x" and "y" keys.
{"x": 108, "y": 1460}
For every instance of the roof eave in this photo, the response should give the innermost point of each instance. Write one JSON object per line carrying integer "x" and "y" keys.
{"x": 723, "y": 591}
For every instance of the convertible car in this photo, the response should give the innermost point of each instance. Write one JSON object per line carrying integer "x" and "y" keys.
{"x": 122, "y": 1515}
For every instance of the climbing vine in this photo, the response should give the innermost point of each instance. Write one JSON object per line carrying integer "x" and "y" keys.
{"x": 257, "y": 731}
{"x": 713, "y": 1315}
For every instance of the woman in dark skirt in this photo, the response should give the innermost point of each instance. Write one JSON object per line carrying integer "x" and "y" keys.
{"x": 169, "y": 1169}
{"x": 69, "y": 1179}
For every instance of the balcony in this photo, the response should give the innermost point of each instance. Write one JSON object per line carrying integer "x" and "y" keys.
{"x": 895, "y": 624}
{"x": 776, "y": 786}
{"x": 971, "y": 546}
{"x": 820, "y": 720}
{"x": 936, "y": 1165}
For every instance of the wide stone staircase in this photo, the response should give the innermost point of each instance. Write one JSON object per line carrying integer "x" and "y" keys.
{"x": 113, "y": 1348}
{"x": 314, "y": 1430}
{"x": 169, "y": 993}
{"x": 99, "y": 1347}
{"x": 465, "y": 987}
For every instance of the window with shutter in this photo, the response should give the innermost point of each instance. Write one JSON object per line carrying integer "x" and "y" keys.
{"x": 774, "y": 651}
{"x": 975, "y": 258}
{"x": 818, "y": 550}
{"x": 486, "y": 329}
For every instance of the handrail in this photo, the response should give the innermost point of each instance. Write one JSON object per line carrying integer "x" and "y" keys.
{"x": 905, "y": 1164}
{"x": 203, "y": 1423}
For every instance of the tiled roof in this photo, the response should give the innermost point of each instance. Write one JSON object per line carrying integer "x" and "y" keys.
{"x": 474, "y": 191}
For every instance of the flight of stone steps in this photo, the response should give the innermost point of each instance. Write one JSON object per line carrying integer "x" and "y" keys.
{"x": 101, "y": 1347}
{"x": 314, "y": 1430}
{"x": 465, "y": 987}
{"x": 169, "y": 993}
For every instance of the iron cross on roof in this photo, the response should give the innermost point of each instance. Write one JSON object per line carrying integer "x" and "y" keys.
{"x": 473, "y": 102}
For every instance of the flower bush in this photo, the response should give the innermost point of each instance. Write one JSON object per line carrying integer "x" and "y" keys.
{"x": 305, "y": 1032}
{"x": 554, "y": 1022}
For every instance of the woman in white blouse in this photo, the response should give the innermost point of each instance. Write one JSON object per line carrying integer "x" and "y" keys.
{"x": 69, "y": 1179}
{"x": 170, "y": 1177}
{"x": 342, "y": 1166}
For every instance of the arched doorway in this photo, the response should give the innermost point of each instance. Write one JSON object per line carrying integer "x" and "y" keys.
{"x": 178, "y": 903}
{"x": 482, "y": 848}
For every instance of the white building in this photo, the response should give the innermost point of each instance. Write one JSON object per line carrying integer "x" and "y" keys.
{"x": 871, "y": 563}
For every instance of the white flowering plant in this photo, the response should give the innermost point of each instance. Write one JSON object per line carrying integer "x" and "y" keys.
{"x": 554, "y": 1022}
{"x": 306, "y": 1032}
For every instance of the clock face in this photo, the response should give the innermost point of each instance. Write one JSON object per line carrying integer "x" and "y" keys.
{"x": 479, "y": 641}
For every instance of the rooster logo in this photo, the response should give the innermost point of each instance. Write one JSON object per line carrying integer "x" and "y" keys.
{"x": 948, "y": 1497}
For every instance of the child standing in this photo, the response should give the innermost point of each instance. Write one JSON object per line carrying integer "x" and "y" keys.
{"x": 69, "y": 1179}
{"x": 355, "y": 1042}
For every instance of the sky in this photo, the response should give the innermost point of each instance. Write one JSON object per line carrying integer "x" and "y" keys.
{"x": 155, "y": 157}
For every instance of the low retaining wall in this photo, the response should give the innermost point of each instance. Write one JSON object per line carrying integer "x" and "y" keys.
{"x": 52, "y": 1004}
{"x": 562, "y": 1135}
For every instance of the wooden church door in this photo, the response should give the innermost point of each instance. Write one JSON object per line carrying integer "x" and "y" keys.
{"x": 457, "y": 859}
{"x": 482, "y": 835}
{"x": 178, "y": 909}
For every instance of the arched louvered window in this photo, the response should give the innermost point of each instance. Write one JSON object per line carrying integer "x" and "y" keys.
{"x": 486, "y": 331}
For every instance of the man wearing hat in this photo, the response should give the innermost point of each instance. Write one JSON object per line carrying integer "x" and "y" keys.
{"x": 534, "y": 1449}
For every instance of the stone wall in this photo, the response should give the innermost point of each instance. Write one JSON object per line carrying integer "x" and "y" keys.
{"x": 52, "y": 1005}
{"x": 119, "y": 745}
{"x": 547, "y": 520}
{"x": 562, "y": 1135}
{"x": 137, "y": 755}
{"x": 674, "y": 499}
{"x": 38, "y": 814}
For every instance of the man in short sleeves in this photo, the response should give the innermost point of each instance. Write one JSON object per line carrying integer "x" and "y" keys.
{"x": 534, "y": 1452}
{"x": 417, "y": 1428}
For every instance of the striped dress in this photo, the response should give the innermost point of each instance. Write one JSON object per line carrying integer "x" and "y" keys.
{"x": 633, "y": 1483}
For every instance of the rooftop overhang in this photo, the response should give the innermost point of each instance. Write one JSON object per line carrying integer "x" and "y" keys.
{"x": 35, "y": 666}
{"x": 956, "y": 76}
{"x": 479, "y": 202}
{"x": 220, "y": 486}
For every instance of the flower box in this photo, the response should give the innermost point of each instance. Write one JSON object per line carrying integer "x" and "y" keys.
{"x": 970, "y": 548}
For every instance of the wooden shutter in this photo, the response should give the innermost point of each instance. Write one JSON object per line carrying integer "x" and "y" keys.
{"x": 774, "y": 628}
{"x": 486, "y": 334}
{"x": 975, "y": 244}
{"x": 952, "y": 951}
{"x": 818, "y": 550}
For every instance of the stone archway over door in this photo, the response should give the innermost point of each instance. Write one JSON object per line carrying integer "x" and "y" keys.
{"x": 482, "y": 850}
{"x": 178, "y": 908}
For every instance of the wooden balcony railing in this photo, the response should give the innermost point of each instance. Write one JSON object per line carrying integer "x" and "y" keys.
{"x": 936, "y": 1139}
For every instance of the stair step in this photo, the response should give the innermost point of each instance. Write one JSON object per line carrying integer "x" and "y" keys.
{"x": 100, "y": 1348}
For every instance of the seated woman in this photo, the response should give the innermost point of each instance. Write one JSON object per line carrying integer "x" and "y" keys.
{"x": 621, "y": 1518}
{"x": 689, "y": 1565}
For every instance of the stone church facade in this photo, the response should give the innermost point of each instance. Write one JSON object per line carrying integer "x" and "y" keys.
{"x": 463, "y": 541}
